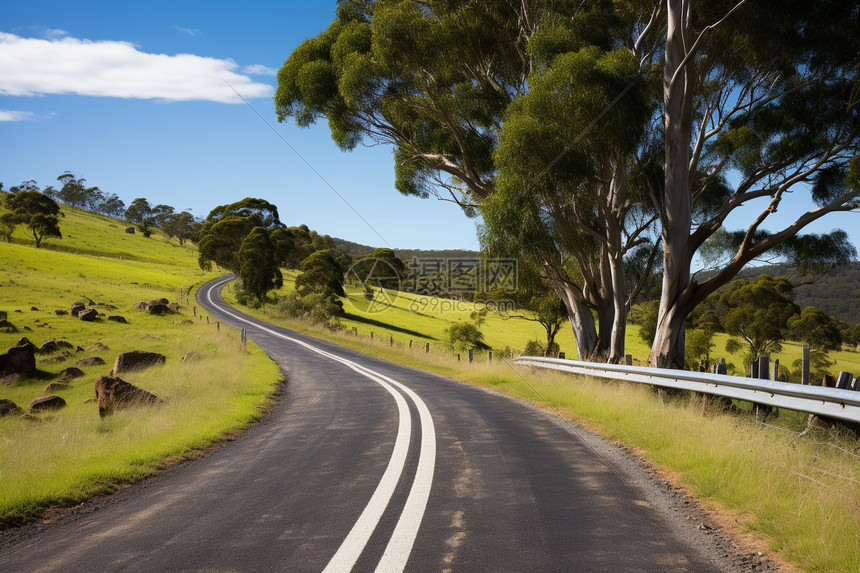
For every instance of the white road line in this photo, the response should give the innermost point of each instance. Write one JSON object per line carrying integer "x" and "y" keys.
{"x": 403, "y": 538}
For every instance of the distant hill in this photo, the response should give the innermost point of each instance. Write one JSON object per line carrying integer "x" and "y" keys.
{"x": 837, "y": 293}
{"x": 359, "y": 250}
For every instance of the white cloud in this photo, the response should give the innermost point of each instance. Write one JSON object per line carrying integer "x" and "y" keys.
{"x": 260, "y": 70}
{"x": 189, "y": 31}
{"x": 12, "y": 115}
{"x": 34, "y": 66}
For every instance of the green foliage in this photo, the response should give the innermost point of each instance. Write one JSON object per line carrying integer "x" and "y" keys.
{"x": 320, "y": 274}
{"x": 645, "y": 315}
{"x": 697, "y": 351}
{"x": 759, "y": 313}
{"x": 381, "y": 269}
{"x": 138, "y": 211}
{"x": 259, "y": 270}
{"x": 464, "y": 336}
{"x": 226, "y": 227}
{"x": 36, "y": 211}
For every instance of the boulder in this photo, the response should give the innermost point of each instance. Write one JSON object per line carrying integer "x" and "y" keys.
{"x": 61, "y": 312}
{"x": 19, "y": 359}
{"x": 3, "y": 315}
{"x": 76, "y": 308}
{"x": 159, "y": 309}
{"x": 34, "y": 309}
{"x": 88, "y": 314}
{"x": 71, "y": 373}
{"x": 174, "y": 306}
{"x": 98, "y": 346}
{"x": 56, "y": 387}
{"x": 136, "y": 360}
{"x": 113, "y": 393}
{"x": 163, "y": 301}
{"x": 53, "y": 345}
{"x": 8, "y": 407}
{"x": 119, "y": 319}
{"x": 90, "y": 361}
{"x": 11, "y": 379}
{"x": 47, "y": 403}
{"x": 129, "y": 230}
{"x": 8, "y": 326}
{"x": 142, "y": 305}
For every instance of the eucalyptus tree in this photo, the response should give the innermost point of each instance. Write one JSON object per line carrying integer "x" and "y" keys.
{"x": 759, "y": 111}
{"x": 36, "y": 211}
{"x": 436, "y": 81}
{"x": 227, "y": 226}
{"x": 258, "y": 268}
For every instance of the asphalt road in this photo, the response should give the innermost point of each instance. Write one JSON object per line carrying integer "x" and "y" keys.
{"x": 371, "y": 466}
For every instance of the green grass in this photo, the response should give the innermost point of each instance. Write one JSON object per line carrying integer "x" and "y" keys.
{"x": 69, "y": 455}
{"x": 801, "y": 495}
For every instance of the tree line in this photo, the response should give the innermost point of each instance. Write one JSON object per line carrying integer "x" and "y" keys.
{"x": 605, "y": 142}
{"x": 38, "y": 210}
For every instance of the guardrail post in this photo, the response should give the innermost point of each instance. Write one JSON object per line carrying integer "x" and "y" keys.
{"x": 804, "y": 375}
{"x": 843, "y": 381}
{"x": 628, "y": 359}
{"x": 471, "y": 355}
{"x": 763, "y": 368}
{"x": 776, "y": 369}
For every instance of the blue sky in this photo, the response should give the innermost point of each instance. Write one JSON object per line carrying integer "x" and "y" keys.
{"x": 131, "y": 96}
{"x": 102, "y": 91}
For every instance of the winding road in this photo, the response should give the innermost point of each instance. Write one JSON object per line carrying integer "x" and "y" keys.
{"x": 370, "y": 466}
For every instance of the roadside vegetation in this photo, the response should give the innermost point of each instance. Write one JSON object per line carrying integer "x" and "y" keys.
{"x": 68, "y": 455}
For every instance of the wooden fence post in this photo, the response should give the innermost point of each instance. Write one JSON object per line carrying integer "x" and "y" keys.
{"x": 195, "y": 312}
{"x": 218, "y": 325}
{"x": 427, "y": 347}
{"x": 776, "y": 369}
{"x": 628, "y": 359}
{"x": 490, "y": 356}
{"x": 471, "y": 355}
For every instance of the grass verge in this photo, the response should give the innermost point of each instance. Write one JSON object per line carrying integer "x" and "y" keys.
{"x": 801, "y": 495}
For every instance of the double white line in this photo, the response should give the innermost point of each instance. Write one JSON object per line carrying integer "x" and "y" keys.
{"x": 403, "y": 538}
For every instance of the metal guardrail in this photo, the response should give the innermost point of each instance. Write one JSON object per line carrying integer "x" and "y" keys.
{"x": 818, "y": 400}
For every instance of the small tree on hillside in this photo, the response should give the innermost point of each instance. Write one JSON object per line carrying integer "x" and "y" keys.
{"x": 759, "y": 315}
{"x": 37, "y": 212}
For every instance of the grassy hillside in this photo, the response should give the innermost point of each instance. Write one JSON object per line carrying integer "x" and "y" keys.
{"x": 70, "y": 454}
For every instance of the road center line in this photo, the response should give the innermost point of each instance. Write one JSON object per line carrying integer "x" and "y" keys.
{"x": 403, "y": 538}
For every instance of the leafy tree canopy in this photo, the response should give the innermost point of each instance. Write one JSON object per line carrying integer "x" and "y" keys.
{"x": 36, "y": 211}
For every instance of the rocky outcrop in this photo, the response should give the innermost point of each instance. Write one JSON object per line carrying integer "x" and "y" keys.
{"x": 11, "y": 379}
{"x": 157, "y": 307}
{"x": 117, "y": 318}
{"x": 60, "y": 312}
{"x": 20, "y": 359}
{"x": 90, "y": 361}
{"x": 136, "y": 360}
{"x": 88, "y": 314}
{"x": 8, "y": 407}
{"x": 76, "y": 308}
{"x": 47, "y": 403}
{"x": 58, "y": 386}
{"x": 113, "y": 393}
{"x": 53, "y": 345}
